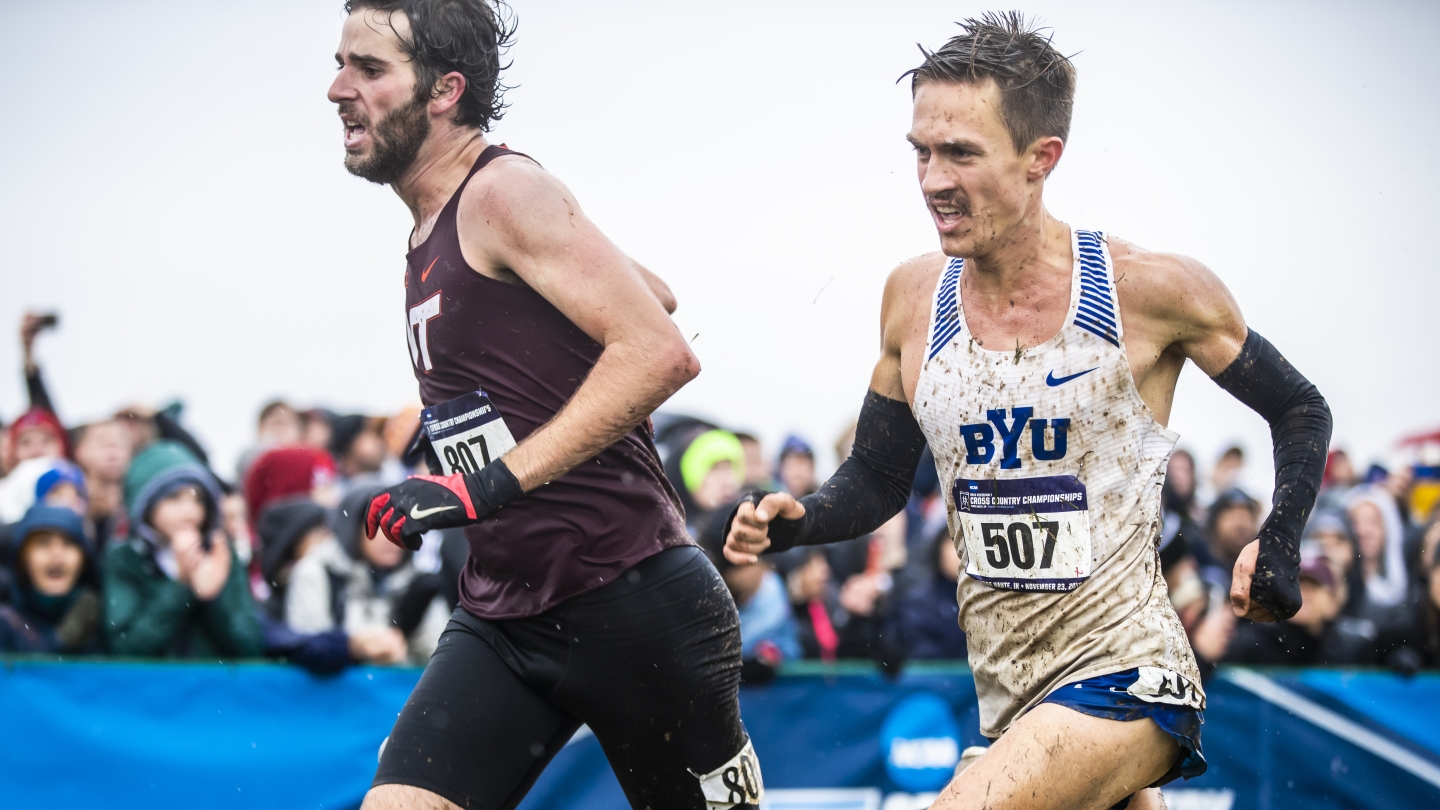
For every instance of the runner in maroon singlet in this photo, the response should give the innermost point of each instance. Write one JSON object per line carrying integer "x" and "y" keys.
{"x": 540, "y": 350}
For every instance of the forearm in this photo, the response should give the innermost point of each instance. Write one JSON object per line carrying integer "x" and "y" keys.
{"x": 871, "y": 486}
{"x": 1300, "y": 425}
{"x": 626, "y": 385}
{"x": 35, "y": 387}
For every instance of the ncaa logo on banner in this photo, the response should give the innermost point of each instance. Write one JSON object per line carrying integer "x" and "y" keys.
{"x": 921, "y": 743}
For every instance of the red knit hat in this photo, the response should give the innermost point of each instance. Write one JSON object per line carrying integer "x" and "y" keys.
{"x": 285, "y": 472}
{"x": 35, "y": 418}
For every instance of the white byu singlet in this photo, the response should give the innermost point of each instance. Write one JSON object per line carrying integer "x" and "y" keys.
{"x": 1052, "y": 466}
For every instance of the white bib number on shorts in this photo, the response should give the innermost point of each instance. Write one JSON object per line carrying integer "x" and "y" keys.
{"x": 1025, "y": 534}
{"x": 736, "y": 782}
{"x": 466, "y": 432}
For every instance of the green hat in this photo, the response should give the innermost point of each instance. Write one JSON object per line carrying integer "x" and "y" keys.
{"x": 708, "y": 449}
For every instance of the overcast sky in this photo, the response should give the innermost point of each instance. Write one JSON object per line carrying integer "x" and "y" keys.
{"x": 173, "y": 187}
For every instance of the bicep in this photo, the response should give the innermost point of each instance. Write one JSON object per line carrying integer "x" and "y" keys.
{"x": 1201, "y": 315}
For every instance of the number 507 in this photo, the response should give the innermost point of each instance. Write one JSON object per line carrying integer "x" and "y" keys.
{"x": 1015, "y": 543}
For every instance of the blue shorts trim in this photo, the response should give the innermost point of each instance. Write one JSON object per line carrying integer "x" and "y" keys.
{"x": 1106, "y": 697}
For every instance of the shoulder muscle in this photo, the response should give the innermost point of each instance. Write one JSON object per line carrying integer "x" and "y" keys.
{"x": 1179, "y": 304}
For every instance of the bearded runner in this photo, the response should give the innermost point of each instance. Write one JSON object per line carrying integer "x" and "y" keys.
{"x": 583, "y": 599}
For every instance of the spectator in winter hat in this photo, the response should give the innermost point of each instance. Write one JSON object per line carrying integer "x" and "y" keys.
{"x": 1234, "y": 521}
{"x": 53, "y": 606}
{"x": 64, "y": 486}
{"x": 365, "y": 587}
{"x": 36, "y": 434}
{"x": 285, "y": 472}
{"x": 707, "y": 473}
{"x": 796, "y": 468}
{"x": 358, "y": 447}
{"x": 291, "y": 530}
{"x": 175, "y": 587}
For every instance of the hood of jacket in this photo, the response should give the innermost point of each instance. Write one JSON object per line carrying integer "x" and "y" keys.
{"x": 156, "y": 472}
{"x": 62, "y": 521}
{"x": 349, "y": 519}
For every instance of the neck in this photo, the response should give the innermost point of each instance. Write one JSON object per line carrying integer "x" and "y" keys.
{"x": 438, "y": 169}
{"x": 1037, "y": 244}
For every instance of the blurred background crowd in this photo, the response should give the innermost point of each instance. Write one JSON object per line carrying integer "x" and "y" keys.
{"x": 119, "y": 537}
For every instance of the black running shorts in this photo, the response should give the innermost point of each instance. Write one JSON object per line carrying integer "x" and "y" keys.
{"x": 650, "y": 662}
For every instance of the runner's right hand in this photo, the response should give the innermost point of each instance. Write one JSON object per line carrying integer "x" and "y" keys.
{"x": 750, "y": 530}
{"x": 418, "y": 504}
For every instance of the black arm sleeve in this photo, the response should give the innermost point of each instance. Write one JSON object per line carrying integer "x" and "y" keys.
{"x": 1300, "y": 432}
{"x": 871, "y": 487}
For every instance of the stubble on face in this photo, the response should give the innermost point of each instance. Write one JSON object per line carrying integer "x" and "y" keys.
{"x": 395, "y": 141}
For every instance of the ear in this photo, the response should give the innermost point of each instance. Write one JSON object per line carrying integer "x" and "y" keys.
{"x": 446, "y": 94}
{"x": 1044, "y": 154}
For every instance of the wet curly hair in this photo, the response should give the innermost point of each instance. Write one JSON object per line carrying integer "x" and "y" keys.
{"x": 468, "y": 37}
{"x": 1037, "y": 83}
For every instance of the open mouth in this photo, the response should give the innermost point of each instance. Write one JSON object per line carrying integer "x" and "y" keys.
{"x": 354, "y": 132}
{"x": 948, "y": 214}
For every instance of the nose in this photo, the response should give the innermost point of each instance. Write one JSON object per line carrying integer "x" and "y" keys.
{"x": 341, "y": 89}
{"x": 933, "y": 177}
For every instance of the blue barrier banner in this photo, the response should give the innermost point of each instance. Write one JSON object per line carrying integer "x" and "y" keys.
{"x": 263, "y": 735}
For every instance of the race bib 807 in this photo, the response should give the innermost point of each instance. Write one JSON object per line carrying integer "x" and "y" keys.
{"x": 466, "y": 432}
{"x": 1025, "y": 534}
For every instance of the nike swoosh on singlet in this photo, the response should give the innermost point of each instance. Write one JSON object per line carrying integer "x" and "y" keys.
{"x": 1052, "y": 381}
{"x": 416, "y": 513}
{"x": 426, "y": 274}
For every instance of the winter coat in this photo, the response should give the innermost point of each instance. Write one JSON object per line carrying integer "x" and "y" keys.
{"x": 35, "y": 623}
{"x": 926, "y": 619}
{"x": 333, "y": 588}
{"x": 148, "y": 613}
{"x": 1345, "y": 641}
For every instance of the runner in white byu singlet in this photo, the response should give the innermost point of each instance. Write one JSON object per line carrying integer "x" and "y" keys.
{"x": 1057, "y": 466}
{"x": 1039, "y": 362}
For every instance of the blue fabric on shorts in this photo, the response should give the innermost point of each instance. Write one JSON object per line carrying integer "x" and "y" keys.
{"x": 1106, "y": 697}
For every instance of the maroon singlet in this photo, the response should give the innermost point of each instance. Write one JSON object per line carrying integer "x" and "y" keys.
{"x": 581, "y": 530}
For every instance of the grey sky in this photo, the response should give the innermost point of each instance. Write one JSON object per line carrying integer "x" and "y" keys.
{"x": 173, "y": 186}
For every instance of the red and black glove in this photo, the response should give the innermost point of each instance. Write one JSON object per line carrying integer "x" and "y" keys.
{"x": 420, "y": 503}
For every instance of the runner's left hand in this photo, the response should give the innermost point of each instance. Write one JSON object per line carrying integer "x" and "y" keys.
{"x": 418, "y": 504}
{"x": 1244, "y": 576}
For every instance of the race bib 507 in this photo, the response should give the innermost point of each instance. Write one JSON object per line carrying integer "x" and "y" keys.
{"x": 1025, "y": 534}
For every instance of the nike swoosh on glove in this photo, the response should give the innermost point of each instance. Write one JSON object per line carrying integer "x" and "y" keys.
{"x": 421, "y": 503}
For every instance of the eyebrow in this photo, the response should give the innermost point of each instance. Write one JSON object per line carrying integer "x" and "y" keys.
{"x": 362, "y": 59}
{"x": 949, "y": 145}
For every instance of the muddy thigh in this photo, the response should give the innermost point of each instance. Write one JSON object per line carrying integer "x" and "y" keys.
{"x": 1055, "y": 757}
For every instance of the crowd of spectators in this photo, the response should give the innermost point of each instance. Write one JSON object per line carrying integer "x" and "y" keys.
{"x": 119, "y": 537}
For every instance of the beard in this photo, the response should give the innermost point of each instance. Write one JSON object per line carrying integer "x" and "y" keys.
{"x": 395, "y": 141}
